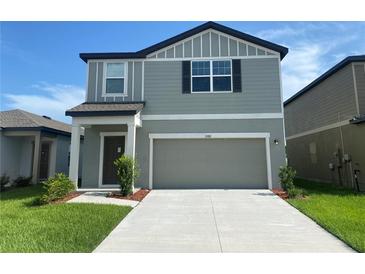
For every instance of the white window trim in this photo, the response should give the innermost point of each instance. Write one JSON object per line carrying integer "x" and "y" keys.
{"x": 211, "y": 76}
{"x": 122, "y": 94}
{"x": 242, "y": 135}
{"x": 101, "y": 156}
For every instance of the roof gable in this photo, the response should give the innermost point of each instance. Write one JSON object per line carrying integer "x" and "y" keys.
{"x": 229, "y": 32}
{"x": 327, "y": 74}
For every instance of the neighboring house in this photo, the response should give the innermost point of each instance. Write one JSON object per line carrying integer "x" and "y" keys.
{"x": 202, "y": 109}
{"x": 324, "y": 125}
{"x": 33, "y": 145}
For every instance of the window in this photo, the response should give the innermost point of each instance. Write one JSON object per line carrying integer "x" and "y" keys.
{"x": 211, "y": 76}
{"x": 115, "y": 79}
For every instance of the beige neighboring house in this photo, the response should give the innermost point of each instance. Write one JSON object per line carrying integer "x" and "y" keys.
{"x": 33, "y": 145}
{"x": 325, "y": 126}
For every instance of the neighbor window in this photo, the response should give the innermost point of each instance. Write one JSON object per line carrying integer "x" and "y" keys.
{"x": 211, "y": 76}
{"x": 115, "y": 78}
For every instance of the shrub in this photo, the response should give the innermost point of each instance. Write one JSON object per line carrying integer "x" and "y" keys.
{"x": 56, "y": 187}
{"x": 4, "y": 180}
{"x": 127, "y": 172}
{"x": 22, "y": 181}
{"x": 295, "y": 192}
{"x": 286, "y": 175}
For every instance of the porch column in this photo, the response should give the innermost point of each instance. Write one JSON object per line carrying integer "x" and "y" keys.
{"x": 36, "y": 157}
{"x": 131, "y": 140}
{"x": 74, "y": 153}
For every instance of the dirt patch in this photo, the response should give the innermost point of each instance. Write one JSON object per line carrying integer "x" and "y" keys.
{"x": 281, "y": 193}
{"x": 137, "y": 196}
{"x": 67, "y": 197}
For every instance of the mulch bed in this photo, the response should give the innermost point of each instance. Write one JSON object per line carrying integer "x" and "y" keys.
{"x": 67, "y": 198}
{"x": 281, "y": 193}
{"x": 137, "y": 196}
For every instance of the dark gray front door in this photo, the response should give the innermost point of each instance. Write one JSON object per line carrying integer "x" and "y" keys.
{"x": 113, "y": 148}
{"x": 44, "y": 161}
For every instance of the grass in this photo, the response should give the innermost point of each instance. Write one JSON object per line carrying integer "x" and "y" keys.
{"x": 338, "y": 210}
{"x": 53, "y": 228}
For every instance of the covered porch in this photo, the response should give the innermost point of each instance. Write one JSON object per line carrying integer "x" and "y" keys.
{"x": 29, "y": 154}
{"x": 109, "y": 131}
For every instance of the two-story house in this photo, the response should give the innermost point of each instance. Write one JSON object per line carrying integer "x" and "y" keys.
{"x": 202, "y": 109}
{"x": 324, "y": 126}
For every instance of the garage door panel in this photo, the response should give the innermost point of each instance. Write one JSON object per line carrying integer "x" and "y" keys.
{"x": 209, "y": 163}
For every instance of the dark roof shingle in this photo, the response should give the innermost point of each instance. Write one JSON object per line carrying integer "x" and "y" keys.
{"x": 105, "y": 109}
{"x": 208, "y": 25}
{"x": 21, "y": 119}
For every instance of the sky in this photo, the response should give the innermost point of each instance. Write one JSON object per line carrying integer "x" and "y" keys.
{"x": 41, "y": 72}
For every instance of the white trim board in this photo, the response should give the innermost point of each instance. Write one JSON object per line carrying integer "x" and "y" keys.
{"x": 101, "y": 155}
{"x": 214, "y": 135}
{"x": 212, "y": 116}
{"x": 339, "y": 124}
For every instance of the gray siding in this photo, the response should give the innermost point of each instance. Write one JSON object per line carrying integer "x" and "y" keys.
{"x": 331, "y": 101}
{"x": 196, "y": 47}
{"x": 360, "y": 85}
{"x": 215, "y": 44}
{"x": 95, "y": 83}
{"x": 224, "y": 45}
{"x": 260, "y": 90}
{"x": 313, "y": 164}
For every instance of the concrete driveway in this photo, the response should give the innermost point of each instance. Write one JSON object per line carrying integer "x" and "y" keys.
{"x": 218, "y": 221}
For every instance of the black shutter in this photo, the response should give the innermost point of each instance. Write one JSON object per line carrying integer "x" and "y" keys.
{"x": 236, "y": 74}
{"x": 186, "y": 77}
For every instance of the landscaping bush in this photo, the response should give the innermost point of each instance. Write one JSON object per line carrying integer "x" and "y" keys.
{"x": 56, "y": 187}
{"x": 295, "y": 192}
{"x": 22, "y": 181}
{"x": 4, "y": 180}
{"x": 286, "y": 175}
{"x": 127, "y": 172}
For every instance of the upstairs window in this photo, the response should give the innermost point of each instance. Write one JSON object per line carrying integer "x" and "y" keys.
{"x": 211, "y": 76}
{"x": 115, "y": 79}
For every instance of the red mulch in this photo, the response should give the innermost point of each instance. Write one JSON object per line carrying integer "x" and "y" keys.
{"x": 137, "y": 196}
{"x": 67, "y": 198}
{"x": 281, "y": 193}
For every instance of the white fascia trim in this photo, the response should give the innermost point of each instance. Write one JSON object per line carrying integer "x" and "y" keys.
{"x": 212, "y": 116}
{"x": 209, "y": 135}
{"x": 355, "y": 89}
{"x": 234, "y": 135}
{"x": 339, "y": 124}
{"x": 209, "y": 58}
{"x": 107, "y": 120}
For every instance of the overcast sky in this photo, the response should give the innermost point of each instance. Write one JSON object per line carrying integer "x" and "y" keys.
{"x": 42, "y": 73}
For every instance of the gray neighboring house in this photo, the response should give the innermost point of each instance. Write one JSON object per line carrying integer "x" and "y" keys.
{"x": 200, "y": 110}
{"x": 33, "y": 145}
{"x": 325, "y": 125}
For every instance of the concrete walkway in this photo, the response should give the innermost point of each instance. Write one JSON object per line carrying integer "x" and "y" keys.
{"x": 218, "y": 221}
{"x": 100, "y": 198}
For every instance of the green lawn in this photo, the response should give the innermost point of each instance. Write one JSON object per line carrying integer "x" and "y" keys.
{"x": 53, "y": 228}
{"x": 340, "y": 211}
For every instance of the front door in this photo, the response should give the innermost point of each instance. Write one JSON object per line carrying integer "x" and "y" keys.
{"x": 113, "y": 148}
{"x": 44, "y": 161}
